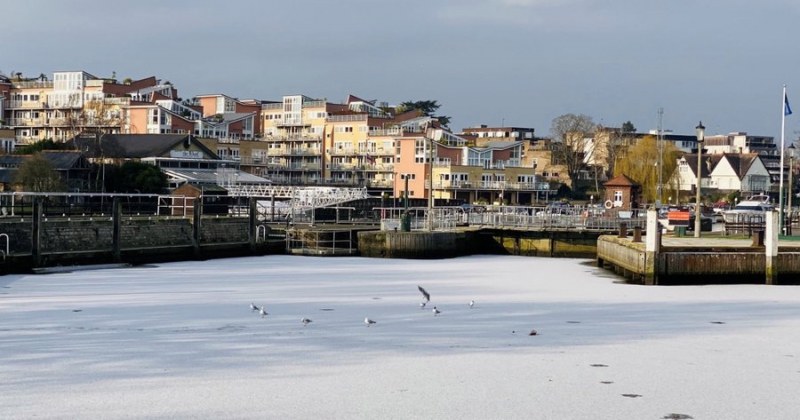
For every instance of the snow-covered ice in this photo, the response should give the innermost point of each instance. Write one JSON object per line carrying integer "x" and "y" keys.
{"x": 180, "y": 340}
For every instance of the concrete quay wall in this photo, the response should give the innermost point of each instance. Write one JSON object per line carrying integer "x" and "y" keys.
{"x": 98, "y": 240}
{"x": 699, "y": 264}
{"x": 393, "y": 244}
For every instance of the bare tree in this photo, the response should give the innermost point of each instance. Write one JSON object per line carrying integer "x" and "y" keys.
{"x": 573, "y": 142}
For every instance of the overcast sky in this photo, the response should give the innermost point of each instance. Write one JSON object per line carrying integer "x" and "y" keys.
{"x": 511, "y": 62}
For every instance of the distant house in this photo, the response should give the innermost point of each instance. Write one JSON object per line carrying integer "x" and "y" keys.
{"x": 182, "y": 157}
{"x": 743, "y": 172}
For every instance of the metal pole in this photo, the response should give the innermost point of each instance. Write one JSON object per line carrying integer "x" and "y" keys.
{"x": 430, "y": 184}
{"x": 790, "y": 192}
{"x": 697, "y": 211}
{"x": 784, "y": 110}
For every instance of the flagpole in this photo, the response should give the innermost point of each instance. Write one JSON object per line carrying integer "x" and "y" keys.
{"x": 780, "y": 182}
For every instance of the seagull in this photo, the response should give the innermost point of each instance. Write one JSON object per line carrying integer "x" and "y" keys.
{"x": 436, "y": 311}
{"x": 253, "y": 307}
{"x": 425, "y": 294}
{"x": 471, "y": 304}
{"x": 263, "y": 312}
{"x": 305, "y": 321}
{"x": 422, "y": 305}
{"x": 368, "y": 321}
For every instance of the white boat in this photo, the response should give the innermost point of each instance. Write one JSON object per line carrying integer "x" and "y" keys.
{"x": 747, "y": 209}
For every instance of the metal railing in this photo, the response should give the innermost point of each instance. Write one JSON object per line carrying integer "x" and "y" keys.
{"x": 517, "y": 217}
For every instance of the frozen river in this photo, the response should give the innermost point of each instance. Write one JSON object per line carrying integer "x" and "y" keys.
{"x": 179, "y": 340}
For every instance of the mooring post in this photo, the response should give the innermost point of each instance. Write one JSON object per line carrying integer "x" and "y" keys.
{"x": 652, "y": 246}
{"x": 116, "y": 230}
{"x": 36, "y": 232}
{"x": 197, "y": 215}
{"x": 771, "y": 246}
{"x": 253, "y": 218}
{"x": 623, "y": 230}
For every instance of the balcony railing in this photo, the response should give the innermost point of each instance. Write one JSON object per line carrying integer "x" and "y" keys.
{"x": 293, "y": 138}
{"x": 362, "y": 167}
{"x": 347, "y": 118}
{"x": 386, "y": 132}
{"x": 493, "y": 185}
{"x": 41, "y": 84}
{"x": 12, "y": 104}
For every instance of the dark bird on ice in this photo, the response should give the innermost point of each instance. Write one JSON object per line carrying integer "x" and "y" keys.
{"x": 253, "y": 307}
{"x": 422, "y": 305}
{"x": 305, "y": 321}
{"x": 425, "y": 294}
{"x": 368, "y": 321}
{"x": 436, "y": 311}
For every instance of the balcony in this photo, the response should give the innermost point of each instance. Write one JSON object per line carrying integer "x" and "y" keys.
{"x": 339, "y": 151}
{"x": 347, "y": 118}
{"x": 303, "y": 167}
{"x": 26, "y": 104}
{"x": 492, "y": 185}
{"x": 38, "y": 84}
{"x": 380, "y": 183}
{"x": 292, "y": 138}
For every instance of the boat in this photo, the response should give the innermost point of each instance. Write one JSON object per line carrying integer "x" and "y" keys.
{"x": 754, "y": 206}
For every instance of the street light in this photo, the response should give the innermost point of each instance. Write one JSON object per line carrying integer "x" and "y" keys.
{"x": 405, "y": 220}
{"x": 700, "y": 130}
{"x": 792, "y": 150}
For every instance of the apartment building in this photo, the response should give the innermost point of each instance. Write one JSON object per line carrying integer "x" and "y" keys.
{"x": 72, "y": 102}
{"x": 491, "y": 173}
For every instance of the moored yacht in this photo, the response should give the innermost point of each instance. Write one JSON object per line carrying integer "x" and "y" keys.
{"x": 755, "y": 205}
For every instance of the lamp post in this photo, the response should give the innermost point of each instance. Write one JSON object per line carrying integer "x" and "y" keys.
{"x": 792, "y": 150}
{"x": 405, "y": 221}
{"x": 430, "y": 182}
{"x": 700, "y": 130}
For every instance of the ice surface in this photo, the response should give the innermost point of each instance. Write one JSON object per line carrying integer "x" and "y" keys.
{"x": 179, "y": 340}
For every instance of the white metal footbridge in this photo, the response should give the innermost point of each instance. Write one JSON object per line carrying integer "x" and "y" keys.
{"x": 299, "y": 197}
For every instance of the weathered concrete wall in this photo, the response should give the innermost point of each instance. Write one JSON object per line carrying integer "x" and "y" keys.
{"x": 391, "y": 244}
{"x": 141, "y": 239}
{"x": 158, "y": 232}
{"x": 85, "y": 235}
{"x": 539, "y": 243}
{"x": 19, "y": 234}
{"x": 419, "y": 245}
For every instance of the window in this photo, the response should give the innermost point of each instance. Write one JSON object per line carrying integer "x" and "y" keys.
{"x": 618, "y": 196}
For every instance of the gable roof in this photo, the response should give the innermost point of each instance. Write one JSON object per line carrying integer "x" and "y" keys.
{"x": 709, "y": 162}
{"x": 137, "y": 146}
{"x": 741, "y": 163}
{"x": 62, "y": 160}
{"x": 621, "y": 180}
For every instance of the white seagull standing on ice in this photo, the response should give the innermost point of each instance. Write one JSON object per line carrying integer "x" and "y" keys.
{"x": 471, "y": 304}
{"x": 263, "y": 312}
{"x": 422, "y": 305}
{"x": 305, "y": 321}
{"x": 253, "y": 307}
{"x": 436, "y": 311}
{"x": 368, "y": 321}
